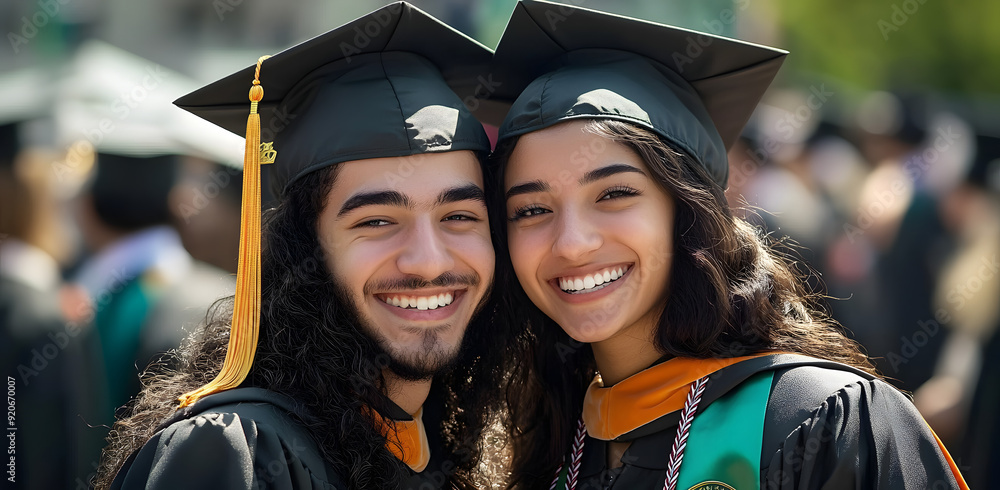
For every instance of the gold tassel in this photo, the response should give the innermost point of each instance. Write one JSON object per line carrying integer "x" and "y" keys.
{"x": 246, "y": 308}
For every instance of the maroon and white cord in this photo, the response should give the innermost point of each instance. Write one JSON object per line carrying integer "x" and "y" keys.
{"x": 683, "y": 429}
{"x": 676, "y": 451}
{"x": 575, "y": 458}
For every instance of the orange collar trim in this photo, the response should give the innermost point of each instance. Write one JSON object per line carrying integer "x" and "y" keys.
{"x": 645, "y": 396}
{"x": 410, "y": 442}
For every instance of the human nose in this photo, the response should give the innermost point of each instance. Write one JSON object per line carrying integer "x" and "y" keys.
{"x": 576, "y": 236}
{"x": 425, "y": 254}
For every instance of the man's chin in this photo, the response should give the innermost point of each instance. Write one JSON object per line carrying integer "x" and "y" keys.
{"x": 422, "y": 366}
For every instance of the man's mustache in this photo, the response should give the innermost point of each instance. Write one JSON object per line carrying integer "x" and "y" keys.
{"x": 448, "y": 279}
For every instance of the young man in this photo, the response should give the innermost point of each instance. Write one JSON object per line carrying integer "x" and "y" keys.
{"x": 374, "y": 366}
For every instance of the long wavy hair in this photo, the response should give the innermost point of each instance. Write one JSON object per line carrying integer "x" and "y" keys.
{"x": 312, "y": 348}
{"x": 733, "y": 292}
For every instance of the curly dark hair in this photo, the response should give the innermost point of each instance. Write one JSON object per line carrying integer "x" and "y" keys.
{"x": 312, "y": 348}
{"x": 755, "y": 291}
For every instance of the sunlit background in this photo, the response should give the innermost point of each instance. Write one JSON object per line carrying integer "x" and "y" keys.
{"x": 875, "y": 152}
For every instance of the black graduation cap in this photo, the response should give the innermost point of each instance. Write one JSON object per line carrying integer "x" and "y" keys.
{"x": 391, "y": 83}
{"x": 696, "y": 90}
{"x": 32, "y": 102}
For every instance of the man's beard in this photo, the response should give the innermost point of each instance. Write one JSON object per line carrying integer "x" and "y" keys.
{"x": 432, "y": 357}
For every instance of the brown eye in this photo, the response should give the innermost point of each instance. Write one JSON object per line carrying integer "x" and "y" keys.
{"x": 618, "y": 192}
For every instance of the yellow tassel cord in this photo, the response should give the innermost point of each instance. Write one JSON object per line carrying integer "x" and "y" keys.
{"x": 246, "y": 308}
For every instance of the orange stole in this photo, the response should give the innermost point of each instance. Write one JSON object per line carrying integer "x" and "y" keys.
{"x": 647, "y": 395}
{"x": 406, "y": 439}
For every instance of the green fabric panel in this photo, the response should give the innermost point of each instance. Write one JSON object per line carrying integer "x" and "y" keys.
{"x": 119, "y": 323}
{"x": 563, "y": 477}
{"x": 725, "y": 439}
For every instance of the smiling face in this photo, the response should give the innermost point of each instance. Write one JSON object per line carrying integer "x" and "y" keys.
{"x": 589, "y": 233}
{"x": 408, "y": 241}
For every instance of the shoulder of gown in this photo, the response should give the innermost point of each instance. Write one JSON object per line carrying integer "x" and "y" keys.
{"x": 828, "y": 428}
{"x": 235, "y": 446}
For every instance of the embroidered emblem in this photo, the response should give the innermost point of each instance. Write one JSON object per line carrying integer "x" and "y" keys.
{"x": 267, "y": 153}
{"x": 711, "y": 485}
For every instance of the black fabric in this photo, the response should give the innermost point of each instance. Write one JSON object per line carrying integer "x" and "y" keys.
{"x": 40, "y": 354}
{"x": 827, "y": 426}
{"x": 130, "y": 192}
{"x": 557, "y": 62}
{"x": 392, "y": 83}
{"x": 243, "y": 438}
{"x": 248, "y": 438}
{"x": 10, "y": 143}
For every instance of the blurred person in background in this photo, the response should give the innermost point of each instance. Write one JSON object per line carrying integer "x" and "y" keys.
{"x": 137, "y": 285}
{"x": 896, "y": 234}
{"x": 205, "y": 203}
{"x": 962, "y": 400}
{"x": 39, "y": 350}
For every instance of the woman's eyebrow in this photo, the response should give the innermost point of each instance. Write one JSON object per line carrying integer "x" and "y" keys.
{"x": 527, "y": 188}
{"x": 613, "y": 169}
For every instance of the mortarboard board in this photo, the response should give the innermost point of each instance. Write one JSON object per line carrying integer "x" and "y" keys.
{"x": 120, "y": 104}
{"x": 391, "y": 83}
{"x": 694, "y": 89}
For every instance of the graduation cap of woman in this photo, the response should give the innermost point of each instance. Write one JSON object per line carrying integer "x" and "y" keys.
{"x": 389, "y": 84}
{"x": 694, "y": 89}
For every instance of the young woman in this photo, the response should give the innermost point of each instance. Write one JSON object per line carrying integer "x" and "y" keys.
{"x": 670, "y": 345}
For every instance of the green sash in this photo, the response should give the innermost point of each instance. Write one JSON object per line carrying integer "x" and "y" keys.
{"x": 723, "y": 448}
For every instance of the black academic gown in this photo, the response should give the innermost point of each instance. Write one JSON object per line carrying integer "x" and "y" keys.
{"x": 826, "y": 426}
{"x": 245, "y": 438}
{"x": 41, "y": 358}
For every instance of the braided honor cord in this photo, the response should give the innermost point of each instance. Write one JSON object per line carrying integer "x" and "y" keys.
{"x": 683, "y": 429}
{"x": 676, "y": 451}
{"x": 576, "y": 457}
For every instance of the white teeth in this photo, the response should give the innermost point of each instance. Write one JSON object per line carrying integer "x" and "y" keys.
{"x": 592, "y": 281}
{"x": 420, "y": 303}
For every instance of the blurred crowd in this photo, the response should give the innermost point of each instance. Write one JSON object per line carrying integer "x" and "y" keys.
{"x": 892, "y": 206}
{"x": 119, "y": 226}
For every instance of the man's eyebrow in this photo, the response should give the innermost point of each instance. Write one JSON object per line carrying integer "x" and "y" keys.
{"x": 527, "y": 188}
{"x": 468, "y": 192}
{"x": 376, "y": 198}
{"x": 613, "y": 169}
